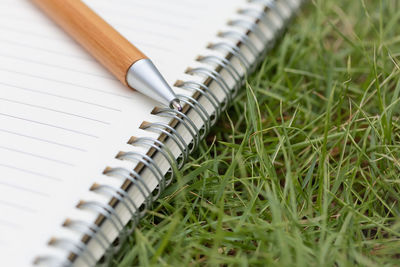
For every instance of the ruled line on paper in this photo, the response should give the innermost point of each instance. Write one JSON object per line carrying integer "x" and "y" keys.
{"x": 164, "y": 10}
{"x": 139, "y": 42}
{"x": 55, "y": 52}
{"x": 61, "y": 97}
{"x": 37, "y": 156}
{"x": 26, "y": 32}
{"x": 54, "y": 110}
{"x": 17, "y": 206}
{"x": 65, "y": 82}
{"x": 148, "y": 32}
{"x": 9, "y": 224}
{"x": 140, "y": 6}
{"x": 49, "y": 125}
{"x": 59, "y": 67}
{"x": 24, "y": 189}
{"x": 3, "y": 243}
{"x": 198, "y": 5}
{"x": 43, "y": 140}
{"x": 118, "y": 13}
{"x": 42, "y": 175}
{"x": 15, "y": 11}
{"x": 188, "y": 4}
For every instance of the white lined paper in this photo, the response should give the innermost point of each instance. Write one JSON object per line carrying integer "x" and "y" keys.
{"x": 63, "y": 117}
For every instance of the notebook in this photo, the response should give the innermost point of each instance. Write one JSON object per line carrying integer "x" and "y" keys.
{"x": 81, "y": 156}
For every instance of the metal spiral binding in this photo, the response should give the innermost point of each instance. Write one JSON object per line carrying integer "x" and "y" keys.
{"x": 121, "y": 195}
{"x": 232, "y": 49}
{"x": 91, "y": 230}
{"x": 225, "y": 64}
{"x": 74, "y": 247}
{"x": 261, "y": 16}
{"x": 161, "y": 148}
{"x": 53, "y": 261}
{"x": 250, "y": 26}
{"x": 243, "y": 38}
{"x": 200, "y": 110}
{"x": 133, "y": 177}
{"x": 184, "y": 120}
{"x": 272, "y": 5}
{"x": 105, "y": 210}
{"x": 230, "y": 43}
{"x": 149, "y": 163}
{"x": 169, "y": 131}
{"x": 205, "y": 91}
{"x": 69, "y": 246}
{"x": 215, "y": 76}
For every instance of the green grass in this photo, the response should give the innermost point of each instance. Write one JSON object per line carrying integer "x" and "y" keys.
{"x": 303, "y": 169}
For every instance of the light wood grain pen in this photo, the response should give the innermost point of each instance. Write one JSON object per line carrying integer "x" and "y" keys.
{"x": 110, "y": 48}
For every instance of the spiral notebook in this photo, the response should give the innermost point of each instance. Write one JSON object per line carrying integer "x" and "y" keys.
{"x": 80, "y": 155}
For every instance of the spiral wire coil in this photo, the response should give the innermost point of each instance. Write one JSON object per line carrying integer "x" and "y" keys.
{"x": 91, "y": 230}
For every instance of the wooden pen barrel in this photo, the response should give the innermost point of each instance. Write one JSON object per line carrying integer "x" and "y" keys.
{"x": 109, "y": 47}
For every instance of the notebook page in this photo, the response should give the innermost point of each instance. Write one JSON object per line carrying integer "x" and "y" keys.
{"x": 63, "y": 118}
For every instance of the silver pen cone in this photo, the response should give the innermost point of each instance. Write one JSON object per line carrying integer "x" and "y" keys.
{"x": 144, "y": 77}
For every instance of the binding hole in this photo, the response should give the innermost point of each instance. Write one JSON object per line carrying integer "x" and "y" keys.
{"x": 169, "y": 176}
{"x": 143, "y": 208}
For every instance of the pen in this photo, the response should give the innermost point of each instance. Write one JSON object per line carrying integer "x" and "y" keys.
{"x": 110, "y": 48}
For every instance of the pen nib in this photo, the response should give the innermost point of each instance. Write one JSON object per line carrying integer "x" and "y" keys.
{"x": 176, "y": 105}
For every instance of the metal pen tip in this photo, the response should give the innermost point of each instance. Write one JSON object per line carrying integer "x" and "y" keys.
{"x": 176, "y": 105}
{"x": 145, "y": 78}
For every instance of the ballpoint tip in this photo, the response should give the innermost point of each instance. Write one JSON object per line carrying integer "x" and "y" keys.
{"x": 176, "y": 105}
